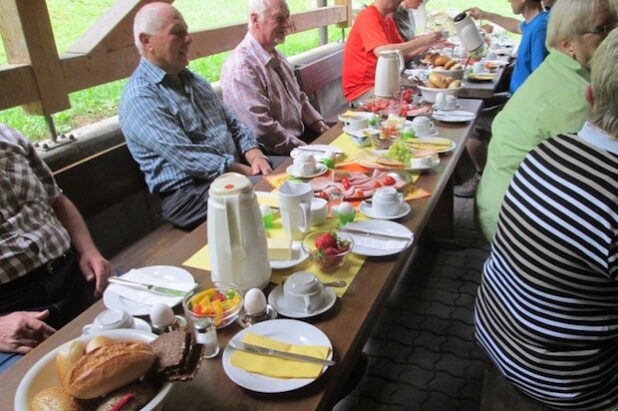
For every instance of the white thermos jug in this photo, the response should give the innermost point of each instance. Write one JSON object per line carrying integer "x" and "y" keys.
{"x": 467, "y": 31}
{"x": 236, "y": 236}
{"x": 388, "y": 70}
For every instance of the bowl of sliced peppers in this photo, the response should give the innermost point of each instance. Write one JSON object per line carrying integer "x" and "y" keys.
{"x": 220, "y": 300}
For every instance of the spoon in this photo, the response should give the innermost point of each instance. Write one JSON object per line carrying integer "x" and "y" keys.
{"x": 336, "y": 284}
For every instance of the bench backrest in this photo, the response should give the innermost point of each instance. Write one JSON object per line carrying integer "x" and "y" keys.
{"x": 321, "y": 81}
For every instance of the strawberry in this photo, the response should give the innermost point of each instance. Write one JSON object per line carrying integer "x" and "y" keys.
{"x": 331, "y": 251}
{"x": 326, "y": 240}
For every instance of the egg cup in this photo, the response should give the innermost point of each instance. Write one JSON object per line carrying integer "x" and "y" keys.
{"x": 245, "y": 320}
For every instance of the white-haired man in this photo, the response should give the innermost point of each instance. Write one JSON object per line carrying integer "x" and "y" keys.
{"x": 258, "y": 83}
{"x": 176, "y": 127}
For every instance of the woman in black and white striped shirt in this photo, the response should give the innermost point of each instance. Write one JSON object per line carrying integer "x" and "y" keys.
{"x": 547, "y": 308}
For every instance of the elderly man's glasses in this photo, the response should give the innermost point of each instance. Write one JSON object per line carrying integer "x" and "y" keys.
{"x": 602, "y": 30}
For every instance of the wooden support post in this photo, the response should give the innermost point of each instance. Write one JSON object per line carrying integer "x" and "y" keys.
{"x": 322, "y": 31}
{"x": 348, "y": 4}
{"x": 28, "y": 39}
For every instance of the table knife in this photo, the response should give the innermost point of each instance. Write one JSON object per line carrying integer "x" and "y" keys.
{"x": 371, "y": 233}
{"x": 256, "y": 349}
{"x": 148, "y": 287}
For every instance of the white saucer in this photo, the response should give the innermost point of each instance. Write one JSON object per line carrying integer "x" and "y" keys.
{"x": 298, "y": 256}
{"x": 141, "y": 324}
{"x": 457, "y": 106}
{"x": 432, "y": 133}
{"x": 360, "y": 133}
{"x": 454, "y": 116}
{"x": 319, "y": 170}
{"x": 276, "y": 299}
{"x": 368, "y": 211}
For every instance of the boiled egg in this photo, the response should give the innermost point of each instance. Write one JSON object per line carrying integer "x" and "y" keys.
{"x": 255, "y": 302}
{"x": 329, "y": 155}
{"x": 265, "y": 210}
{"x": 345, "y": 208}
{"x": 161, "y": 315}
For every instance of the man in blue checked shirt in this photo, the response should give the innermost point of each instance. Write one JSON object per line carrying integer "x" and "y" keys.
{"x": 176, "y": 127}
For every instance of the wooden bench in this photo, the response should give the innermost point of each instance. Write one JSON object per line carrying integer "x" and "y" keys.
{"x": 321, "y": 81}
{"x": 124, "y": 219}
{"x": 500, "y": 395}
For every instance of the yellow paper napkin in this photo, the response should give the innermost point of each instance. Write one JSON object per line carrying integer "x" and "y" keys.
{"x": 279, "y": 367}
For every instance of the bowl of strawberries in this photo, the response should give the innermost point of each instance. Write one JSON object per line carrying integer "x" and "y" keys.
{"x": 328, "y": 250}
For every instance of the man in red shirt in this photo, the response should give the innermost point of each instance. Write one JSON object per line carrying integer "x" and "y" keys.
{"x": 372, "y": 33}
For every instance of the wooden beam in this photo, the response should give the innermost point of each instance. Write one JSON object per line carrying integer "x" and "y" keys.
{"x": 81, "y": 71}
{"x": 36, "y": 46}
{"x": 348, "y": 6}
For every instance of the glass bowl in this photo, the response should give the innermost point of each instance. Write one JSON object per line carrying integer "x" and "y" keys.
{"x": 323, "y": 258}
{"x": 220, "y": 301}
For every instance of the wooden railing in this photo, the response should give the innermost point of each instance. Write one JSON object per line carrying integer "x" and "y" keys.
{"x": 41, "y": 79}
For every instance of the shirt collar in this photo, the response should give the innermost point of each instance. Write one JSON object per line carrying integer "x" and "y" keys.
{"x": 157, "y": 74}
{"x": 599, "y": 138}
{"x": 263, "y": 56}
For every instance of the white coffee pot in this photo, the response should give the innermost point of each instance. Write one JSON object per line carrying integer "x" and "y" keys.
{"x": 388, "y": 71}
{"x": 467, "y": 31}
{"x": 236, "y": 235}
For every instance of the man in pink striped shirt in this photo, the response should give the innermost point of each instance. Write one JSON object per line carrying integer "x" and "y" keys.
{"x": 258, "y": 83}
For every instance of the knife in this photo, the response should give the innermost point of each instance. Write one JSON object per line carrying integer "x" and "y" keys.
{"x": 371, "y": 233}
{"x": 148, "y": 287}
{"x": 256, "y": 349}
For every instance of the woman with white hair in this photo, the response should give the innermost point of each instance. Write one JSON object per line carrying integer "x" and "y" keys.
{"x": 551, "y": 101}
{"x": 547, "y": 308}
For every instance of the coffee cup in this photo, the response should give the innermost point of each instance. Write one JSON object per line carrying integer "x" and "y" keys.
{"x": 491, "y": 55}
{"x": 422, "y": 126}
{"x": 109, "y": 320}
{"x": 303, "y": 292}
{"x": 386, "y": 201}
{"x": 295, "y": 206}
{"x": 357, "y": 122}
{"x": 440, "y": 101}
{"x": 478, "y": 67}
{"x": 304, "y": 164}
{"x": 450, "y": 102}
{"x": 319, "y": 211}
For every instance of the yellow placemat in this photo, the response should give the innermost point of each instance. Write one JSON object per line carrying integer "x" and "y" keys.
{"x": 279, "y": 367}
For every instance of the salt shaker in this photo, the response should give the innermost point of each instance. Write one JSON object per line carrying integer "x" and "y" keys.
{"x": 206, "y": 333}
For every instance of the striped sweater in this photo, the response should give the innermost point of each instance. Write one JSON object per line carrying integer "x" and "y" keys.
{"x": 547, "y": 308}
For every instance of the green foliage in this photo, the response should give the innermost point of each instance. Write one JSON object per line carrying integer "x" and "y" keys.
{"x": 71, "y": 18}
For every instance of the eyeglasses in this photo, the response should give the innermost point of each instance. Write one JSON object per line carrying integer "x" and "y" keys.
{"x": 602, "y": 30}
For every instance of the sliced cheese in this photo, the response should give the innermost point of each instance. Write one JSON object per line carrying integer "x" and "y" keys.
{"x": 279, "y": 248}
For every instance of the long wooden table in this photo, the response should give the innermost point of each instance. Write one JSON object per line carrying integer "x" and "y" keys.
{"x": 348, "y": 324}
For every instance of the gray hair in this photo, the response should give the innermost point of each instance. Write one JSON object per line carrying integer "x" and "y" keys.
{"x": 570, "y": 18}
{"x": 604, "y": 84}
{"x": 147, "y": 20}
{"x": 258, "y": 7}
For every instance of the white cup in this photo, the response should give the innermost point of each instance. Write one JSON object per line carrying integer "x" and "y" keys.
{"x": 319, "y": 211}
{"x": 295, "y": 205}
{"x": 302, "y": 291}
{"x": 420, "y": 73}
{"x": 109, "y": 320}
{"x": 357, "y": 122}
{"x": 386, "y": 201}
{"x": 450, "y": 102}
{"x": 304, "y": 164}
{"x": 478, "y": 67}
{"x": 491, "y": 55}
{"x": 422, "y": 126}
{"x": 440, "y": 101}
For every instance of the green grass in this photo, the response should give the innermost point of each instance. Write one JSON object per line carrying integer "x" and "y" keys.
{"x": 71, "y": 18}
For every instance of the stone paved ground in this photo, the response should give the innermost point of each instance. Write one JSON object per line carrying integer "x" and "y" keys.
{"x": 422, "y": 354}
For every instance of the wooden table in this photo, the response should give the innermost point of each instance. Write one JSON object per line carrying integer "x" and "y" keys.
{"x": 348, "y": 324}
{"x": 482, "y": 89}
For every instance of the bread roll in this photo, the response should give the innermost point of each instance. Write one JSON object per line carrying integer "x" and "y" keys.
{"x": 441, "y": 61}
{"x": 56, "y": 399}
{"x": 438, "y": 80}
{"x": 109, "y": 367}
{"x": 97, "y": 342}
{"x": 455, "y": 84}
{"x": 449, "y": 64}
{"x": 67, "y": 356}
{"x": 448, "y": 79}
{"x": 456, "y": 66}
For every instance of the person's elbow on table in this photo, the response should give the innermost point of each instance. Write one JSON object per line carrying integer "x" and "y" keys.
{"x": 21, "y": 331}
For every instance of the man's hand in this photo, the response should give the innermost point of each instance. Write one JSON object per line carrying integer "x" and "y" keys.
{"x": 319, "y": 127}
{"x": 476, "y": 13}
{"x": 95, "y": 267}
{"x": 260, "y": 166}
{"x": 21, "y": 331}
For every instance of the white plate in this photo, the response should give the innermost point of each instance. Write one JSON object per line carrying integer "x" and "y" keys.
{"x": 277, "y": 300}
{"x": 360, "y": 132}
{"x": 433, "y": 139}
{"x": 380, "y": 246}
{"x": 169, "y": 273}
{"x": 363, "y": 114}
{"x": 409, "y": 168}
{"x": 289, "y": 331}
{"x": 319, "y": 170}
{"x": 317, "y": 150}
{"x": 457, "y": 106}
{"x": 43, "y": 373}
{"x": 368, "y": 211}
{"x": 298, "y": 256}
{"x": 458, "y": 116}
